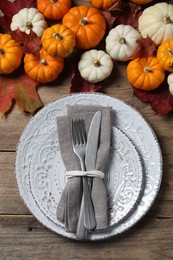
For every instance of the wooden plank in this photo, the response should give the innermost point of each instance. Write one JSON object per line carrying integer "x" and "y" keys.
{"x": 22, "y": 237}
{"x": 10, "y": 201}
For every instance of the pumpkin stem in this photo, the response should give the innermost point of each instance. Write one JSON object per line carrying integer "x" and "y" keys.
{"x": 29, "y": 25}
{"x": 58, "y": 36}
{"x": 97, "y": 63}
{"x": 2, "y": 51}
{"x": 147, "y": 69}
{"x": 83, "y": 21}
{"x": 122, "y": 40}
{"x": 167, "y": 19}
{"x": 43, "y": 62}
{"x": 170, "y": 51}
{"x": 53, "y": 1}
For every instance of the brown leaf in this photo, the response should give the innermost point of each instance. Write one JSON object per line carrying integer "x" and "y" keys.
{"x": 122, "y": 13}
{"x": 161, "y": 100}
{"x": 30, "y": 43}
{"x": 22, "y": 89}
{"x": 146, "y": 48}
{"x": 78, "y": 84}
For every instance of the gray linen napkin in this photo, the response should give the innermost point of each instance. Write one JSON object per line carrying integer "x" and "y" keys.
{"x": 69, "y": 205}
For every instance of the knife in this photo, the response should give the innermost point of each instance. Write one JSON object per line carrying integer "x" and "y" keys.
{"x": 91, "y": 156}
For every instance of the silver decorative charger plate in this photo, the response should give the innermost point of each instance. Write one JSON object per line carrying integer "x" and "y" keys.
{"x": 137, "y": 166}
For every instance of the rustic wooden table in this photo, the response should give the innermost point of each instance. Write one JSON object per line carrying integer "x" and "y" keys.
{"x": 22, "y": 237}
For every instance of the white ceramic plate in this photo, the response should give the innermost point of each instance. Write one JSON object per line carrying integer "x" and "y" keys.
{"x": 40, "y": 185}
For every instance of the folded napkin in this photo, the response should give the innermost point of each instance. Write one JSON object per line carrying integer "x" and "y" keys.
{"x": 70, "y": 202}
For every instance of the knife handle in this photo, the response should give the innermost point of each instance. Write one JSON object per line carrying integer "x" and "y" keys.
{"x": 89, "y": 218}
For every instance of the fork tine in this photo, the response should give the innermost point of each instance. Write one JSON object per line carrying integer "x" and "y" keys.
{"x": 78, "y": 131}
{"x": 74, "y": 131}
{"x": 82, "y": 131}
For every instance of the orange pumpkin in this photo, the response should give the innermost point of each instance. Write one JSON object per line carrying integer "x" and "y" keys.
{"x": 44, "y": 68}
{"x": 141, "y": 2}
{"x": 103, "y": 4}
{"x": 145, "y": 73}
{"x": 58, "y": 40}
{"x": 53, "y": 9}
{"x": 87, "y": 23}
{"x": 10, "y": 54}
{"x": 165, "y": 55}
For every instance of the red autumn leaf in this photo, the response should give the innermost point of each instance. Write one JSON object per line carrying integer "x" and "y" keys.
{"x": 146, "y": 48}
{"x": 22, "y": 89}
{"x": 122, "y": 13}
{"x": 109, "y": 18}
{"x": 78, "y": 84}
{"x": 30, "y": 43}
{"x": 161, "y": 100}
{"x": 9, "y": 9}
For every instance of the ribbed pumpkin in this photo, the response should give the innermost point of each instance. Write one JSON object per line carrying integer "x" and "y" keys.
{"x": 156, "y": 21}
{"x": 165, "y": 55}
{"x": 58, "y": 40}
{"x": 10, "y": 54}
{"x": 44, "y": 68}
{"x": 145, "y": 73}
{"x": 87, "y": 23}
{"x": 53, "y": 9}
{"x": 103, "y": 4}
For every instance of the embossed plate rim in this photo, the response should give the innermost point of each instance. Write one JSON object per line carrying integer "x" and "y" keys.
{"x": 132, "y": 184}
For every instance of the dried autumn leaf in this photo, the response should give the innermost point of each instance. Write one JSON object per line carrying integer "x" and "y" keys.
{"x": 161, "y": 101}
{"x": 122, "y": 13}
{"x": 78, "y": 84}
{"x": 22, "y": 89}
{"x": 146, "y": 48}
{"x": 30, "y": 43}
{"x": 9, "y": 8}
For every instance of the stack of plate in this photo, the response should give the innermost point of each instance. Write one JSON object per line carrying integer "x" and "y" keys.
{"x": 133, "y": 172}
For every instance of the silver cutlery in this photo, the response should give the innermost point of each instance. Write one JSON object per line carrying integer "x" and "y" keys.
{"x": 87, "y": 214}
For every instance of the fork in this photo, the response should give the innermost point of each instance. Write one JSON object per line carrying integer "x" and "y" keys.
{"x": 87, "y": 215}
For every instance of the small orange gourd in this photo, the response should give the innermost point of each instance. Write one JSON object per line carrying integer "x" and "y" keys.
{"x": 53, "y": 9}
{"x": 165, "y": 55}
{"x": 44, "y": 68}
{"x": 145, "y": 73}
{"x": 58, "y": 40}
{"x": 103, "y": 4}
{"x": 141, "y": 2}
{"x": 87, "y": 23}
{"x": 10, "y": 54}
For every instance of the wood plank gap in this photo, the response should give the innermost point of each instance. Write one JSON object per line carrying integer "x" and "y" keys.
{"x": 7, "y": 151}
{"x": 15, "y": 215}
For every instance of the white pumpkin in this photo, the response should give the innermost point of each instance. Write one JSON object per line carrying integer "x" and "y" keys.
{"x": 29, "y": 19}
{"x": 170, "y": 82}
{"x": 95, "y": 65}
{"x": 156, "y": 22}
{"x": 122, "y": 42}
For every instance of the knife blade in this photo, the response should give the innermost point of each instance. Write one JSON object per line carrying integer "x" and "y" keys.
{"x": 92, "y": 142}
{"x": 90, "y": 159}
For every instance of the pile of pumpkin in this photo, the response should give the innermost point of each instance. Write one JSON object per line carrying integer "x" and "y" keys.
{"x": 84, "y": 27}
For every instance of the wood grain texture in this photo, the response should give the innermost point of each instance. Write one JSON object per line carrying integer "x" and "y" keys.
{"x": 22, "y": 237}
